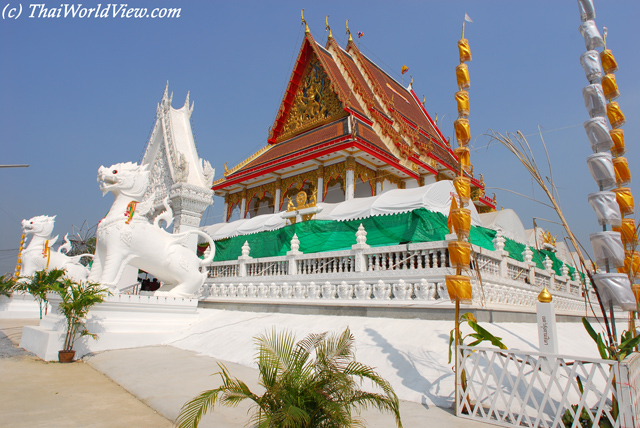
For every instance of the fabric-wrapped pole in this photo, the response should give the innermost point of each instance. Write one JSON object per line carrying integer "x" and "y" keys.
{"x": 598, "y": 134}
{"x": 606, "y": 208}
{"x": 465, "y": 50}
{"x": 590, "y": 61}
{"x": 459, "y": 254}
{"x": 459, "y": 288}
{"x": 587, "y": 11}
{"x": 617, "y": 135}
{"x": 602, "y": 170}
{"x": 594, "y": 100}
{"x": 609, "y": 63}
{"x": 608, "y": 250}
{"x": 592, "y": 37}
{"x": 615, "y": 287}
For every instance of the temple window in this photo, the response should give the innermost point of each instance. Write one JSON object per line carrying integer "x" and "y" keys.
{"x": 335, "y": 190}
{"x": 363, "y": 189}
{"x": 260, "y": 204}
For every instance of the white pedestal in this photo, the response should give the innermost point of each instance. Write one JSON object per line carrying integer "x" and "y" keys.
{"x": 19, "y": 306}
{"x": 122, "y": 321}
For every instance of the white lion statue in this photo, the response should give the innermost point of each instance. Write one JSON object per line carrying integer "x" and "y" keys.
{"x": 126, "y": 236}
{"x": 38, "y": 254}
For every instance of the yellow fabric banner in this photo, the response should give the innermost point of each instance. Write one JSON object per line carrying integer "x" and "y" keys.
{"x": 610, "y": 87}
{"x": 628, "y": 232}
{"x": 460, "y": 219}
{"x": 463, "y": 187}
{"x": 459, "y": 254}
{"x": 617, "y": 135}
{"x": 616, "y": 118}
{"x": 624, "y": 197}
{"x": 462, "y": 99}
{"x": 609, "y": 64}
{"x": 459, "y": 288}
{"x": 464, "y": 50}
{"x": 462, "y": 76}
{"x": 623, "y": 174}
{"x": 631, "y": 264}
{"x": 463, "y": 132}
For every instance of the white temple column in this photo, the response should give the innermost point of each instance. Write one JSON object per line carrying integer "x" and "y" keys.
{"x": 320, "y": 188}
{"x": 277, "y": 196}
{"x": 225, "y": 214}
{"x": 379, "y": 180}
{"x": 243, "y": 205}
{"x": 349, "y": 182}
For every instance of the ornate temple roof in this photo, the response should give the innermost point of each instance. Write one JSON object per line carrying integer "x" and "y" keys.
{"x": 338, "y": 104}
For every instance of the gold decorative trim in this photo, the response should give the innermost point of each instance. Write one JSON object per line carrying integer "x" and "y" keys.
{"x": 228, "y": 172}
{"x": 261, "y": 190}
{"x": 333, "y": 171}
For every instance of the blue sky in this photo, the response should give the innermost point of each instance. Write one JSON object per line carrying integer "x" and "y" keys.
{"x": 80, "y": 93}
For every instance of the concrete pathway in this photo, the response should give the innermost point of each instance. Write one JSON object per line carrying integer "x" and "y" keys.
{"x": 141, "y": 387}
{"x": 39, "y": 394}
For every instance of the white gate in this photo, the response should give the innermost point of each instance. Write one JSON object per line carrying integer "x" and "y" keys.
{"x": 517, "y": 388}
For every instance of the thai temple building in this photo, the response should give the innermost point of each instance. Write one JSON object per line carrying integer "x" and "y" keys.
{"x": 345, "y": 129}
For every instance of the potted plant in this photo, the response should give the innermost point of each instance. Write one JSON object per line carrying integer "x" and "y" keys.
{"x": 77, "y": 298}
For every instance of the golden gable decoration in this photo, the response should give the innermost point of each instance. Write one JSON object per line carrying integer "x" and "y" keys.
{"x": 315, "y": 102}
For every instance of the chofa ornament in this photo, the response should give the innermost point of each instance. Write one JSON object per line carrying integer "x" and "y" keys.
{"x": 38, "y": 254}
{"x": 125, "y": 236}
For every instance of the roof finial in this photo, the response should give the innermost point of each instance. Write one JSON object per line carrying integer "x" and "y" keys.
{"x": 326, "y": 21}
{"x": 306, "y": 26}
{"x": 349, "y": 31}
{"x": 411, "y": 83}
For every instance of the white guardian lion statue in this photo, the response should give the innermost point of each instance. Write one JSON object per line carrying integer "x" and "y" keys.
{"x": 126, "y": 236}
{"x": 38, "y": 254}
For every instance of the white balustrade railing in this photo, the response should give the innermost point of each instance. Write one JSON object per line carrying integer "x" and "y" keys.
{"x": 518, "y": 388}
{"x": 399, "y": 273}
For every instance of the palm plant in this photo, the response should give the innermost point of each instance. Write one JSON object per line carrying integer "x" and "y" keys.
{"x": 77, "y": 300}
{"x": 310, "y": 383}
{"x": 41, "y": 283}
{"x": 7, "y": 284}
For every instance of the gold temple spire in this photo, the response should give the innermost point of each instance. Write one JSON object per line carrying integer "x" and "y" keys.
{"x": 306, "y": 26}
{"x": 326, "y": 21}
{"x": 349, "y": 31}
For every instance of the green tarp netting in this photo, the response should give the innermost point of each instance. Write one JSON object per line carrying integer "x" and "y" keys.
{"x": 318, "y": 236}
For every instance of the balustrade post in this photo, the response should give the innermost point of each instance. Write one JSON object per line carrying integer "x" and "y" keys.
{"x": 498, "y": 244}
{"x": 243, "y": 259}
{"x": 358, "y": 249}
{"x": 293, "y": 254}
{"x": 548, "y": 265}
{"x": 527, "y": 255}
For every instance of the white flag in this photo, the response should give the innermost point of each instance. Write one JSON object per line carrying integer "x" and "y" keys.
{"x": 467, "y": 18}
